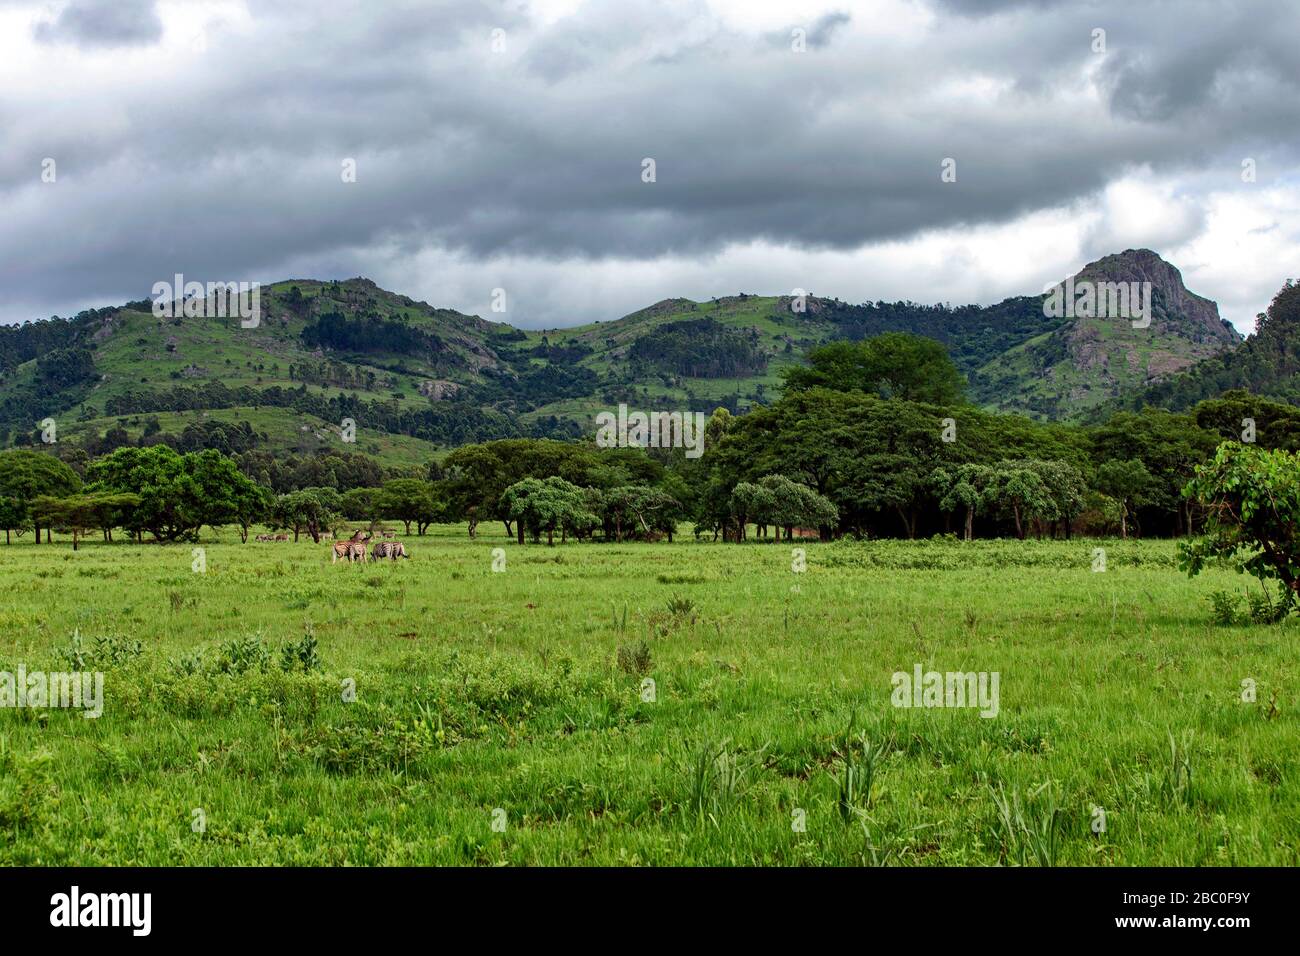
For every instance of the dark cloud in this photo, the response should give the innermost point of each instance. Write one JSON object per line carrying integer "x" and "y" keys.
{"x": 103, "y": 23}
{"x": 227, "y": 164}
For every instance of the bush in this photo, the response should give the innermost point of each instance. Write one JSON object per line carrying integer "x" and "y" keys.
{"x": 1226, "y": 608}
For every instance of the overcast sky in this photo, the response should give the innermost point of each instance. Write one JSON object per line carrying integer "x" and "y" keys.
{"x": 501, "y": 145}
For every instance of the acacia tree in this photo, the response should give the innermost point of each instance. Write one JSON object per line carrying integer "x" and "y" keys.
{"x": 311, "y": 509}
{"x": 408, "y": 500}
{"x": 78, "y": 514}
{"x": 1251, "y": 498}
{"x": 547, "y": 504}
{"x": 627, "y": 508}
{"x": 797, "y": 506}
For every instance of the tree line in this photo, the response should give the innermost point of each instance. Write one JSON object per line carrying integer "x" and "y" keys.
{"x": 869, "y": 439}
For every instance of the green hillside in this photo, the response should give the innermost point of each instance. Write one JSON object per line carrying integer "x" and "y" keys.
{"x": 1267, "y": 364}
{"x": 417, "y": 380}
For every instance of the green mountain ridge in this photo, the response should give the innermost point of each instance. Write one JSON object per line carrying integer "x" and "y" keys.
{"x": 417, "y": 380}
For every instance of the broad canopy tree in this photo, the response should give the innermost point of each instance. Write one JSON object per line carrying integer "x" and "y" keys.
{"x": 892, "y": 365}
{"x": 409, "y": 500}
{"x": 25, "y": 475}
{"x": 179, "y": 493}
{"x": 313, "y": 510}
{"x": 547, "y": 505}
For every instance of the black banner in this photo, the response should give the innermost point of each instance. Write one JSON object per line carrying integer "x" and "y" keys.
{"x": 333, "y": 906}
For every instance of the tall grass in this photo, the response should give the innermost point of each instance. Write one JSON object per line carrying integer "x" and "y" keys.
{"x": 318, "y": 718}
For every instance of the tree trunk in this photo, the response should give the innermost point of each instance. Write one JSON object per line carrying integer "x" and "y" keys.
{"x": 1020, "y": 531}
{"x": 519, "y": 527}
{"x": 970, "y": 521}
{"x": 1123, "y": 523}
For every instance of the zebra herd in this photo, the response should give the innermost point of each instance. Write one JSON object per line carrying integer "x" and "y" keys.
{"x": 354, "y": 549}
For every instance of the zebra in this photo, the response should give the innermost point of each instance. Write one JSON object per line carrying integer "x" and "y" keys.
{"x": 388, "y": 549}
{"x": 352, "y": 549}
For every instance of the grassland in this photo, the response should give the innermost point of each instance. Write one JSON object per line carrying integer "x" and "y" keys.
{"x": 521, "y": 690}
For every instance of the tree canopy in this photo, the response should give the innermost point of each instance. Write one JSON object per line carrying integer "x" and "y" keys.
{"x": 891, "y": 365}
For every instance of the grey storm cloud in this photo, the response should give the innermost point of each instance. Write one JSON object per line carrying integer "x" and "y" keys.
{"x": 226, "y": 163}
{"x": 103, "y": 23}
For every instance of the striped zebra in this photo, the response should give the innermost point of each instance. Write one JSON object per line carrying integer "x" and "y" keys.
{"x": 353, "y": 549}
{"x": 388, "y": 549}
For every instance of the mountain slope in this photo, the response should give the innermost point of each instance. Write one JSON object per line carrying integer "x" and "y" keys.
{"x": 1267, "y": 364}
{"x": 1088, "y": 360}
{"x": 325, "y": 352}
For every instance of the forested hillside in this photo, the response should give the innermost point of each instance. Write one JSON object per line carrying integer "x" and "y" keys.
{"x": 415, "y": 381}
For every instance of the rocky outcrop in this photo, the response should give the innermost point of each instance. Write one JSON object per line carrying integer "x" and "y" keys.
{"x": 439, "y": 389}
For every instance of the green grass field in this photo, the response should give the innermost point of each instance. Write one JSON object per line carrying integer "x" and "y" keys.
{"x": 515, "y": 697}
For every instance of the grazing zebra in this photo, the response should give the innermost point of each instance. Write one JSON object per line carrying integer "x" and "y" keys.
{"x": 388, "y": 549}
{"x": 352, "y": 549}
{"x": 389, "y": 535}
